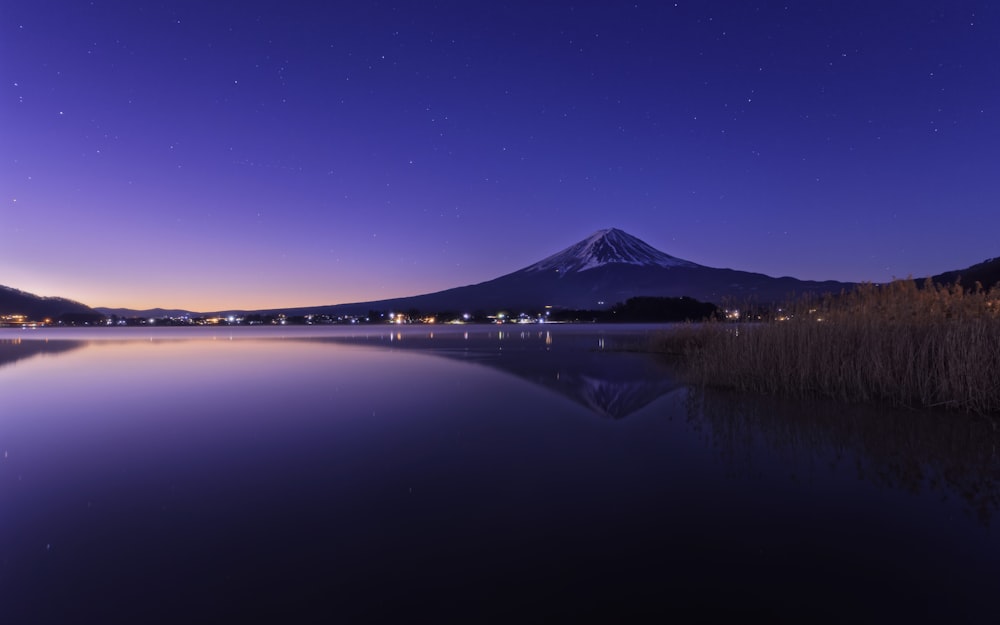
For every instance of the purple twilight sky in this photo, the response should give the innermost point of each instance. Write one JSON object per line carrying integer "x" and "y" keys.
{"x": 210, "y": 155}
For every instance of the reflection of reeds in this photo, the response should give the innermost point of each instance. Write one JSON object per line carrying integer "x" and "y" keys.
{"x": 913, "y": 452}
{"x": 896, "y": 343}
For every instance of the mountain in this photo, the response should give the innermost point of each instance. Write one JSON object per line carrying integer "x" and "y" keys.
{"x": 986, "y": 273}
{"x": 157, "y": 313}
{"x": 606, "y": 247}
{"x": 37, "y": 308}
{"x": 608, "y": 267}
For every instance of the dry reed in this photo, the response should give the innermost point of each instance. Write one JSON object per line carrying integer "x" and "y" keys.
{"x": 895, "y": 343}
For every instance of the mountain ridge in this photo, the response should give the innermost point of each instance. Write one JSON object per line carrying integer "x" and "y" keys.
{"x": 605, "y": 268}
{"x": 986, "y": 273}
{"x": 37, "y": 307}
{"x": 608, "y": 267}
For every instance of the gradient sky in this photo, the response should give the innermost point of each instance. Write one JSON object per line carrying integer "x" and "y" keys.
{"x": 210, "y": 155}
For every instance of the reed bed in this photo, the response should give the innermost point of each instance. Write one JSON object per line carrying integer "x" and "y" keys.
{"x": 936, "y": 346}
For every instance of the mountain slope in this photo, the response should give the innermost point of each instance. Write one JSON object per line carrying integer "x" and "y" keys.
{"x": 612, "y": 246}
{"x": 986, "y": 273}
{"x": 608, "y": 267}
{"x": 148, "y": 312}
{"x": 15, "y": 302}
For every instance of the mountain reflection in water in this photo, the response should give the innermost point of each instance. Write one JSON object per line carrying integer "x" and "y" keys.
{"x": 601, "y": 372}
{"x": 13, "y": 350}
{"x": 954, "y": 455}
{"x": 292, "y": 475}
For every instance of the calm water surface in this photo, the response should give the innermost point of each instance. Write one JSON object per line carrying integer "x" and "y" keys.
{"x": 465, "y": 474}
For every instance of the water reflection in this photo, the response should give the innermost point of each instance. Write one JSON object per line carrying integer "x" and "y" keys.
{"x": 13, "y": 350}
{"x": 594, "y": 371}
{"x": 612, "y": 385}
{"x": 310, "y": 480}
{"x": 951, "y": 455}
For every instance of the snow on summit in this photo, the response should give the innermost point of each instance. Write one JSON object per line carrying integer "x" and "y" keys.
{"x": 606, "y": 247}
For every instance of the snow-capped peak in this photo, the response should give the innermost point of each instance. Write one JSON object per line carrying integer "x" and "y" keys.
{"x": 605, "y": 247}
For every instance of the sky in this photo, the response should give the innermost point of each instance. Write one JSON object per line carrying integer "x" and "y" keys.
{"x": 213, "y": 155}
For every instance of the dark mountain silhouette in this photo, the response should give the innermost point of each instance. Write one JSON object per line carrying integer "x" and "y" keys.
{"x": 606, "y": 268}
{"x": 157, "y": 313}
{"x": 37, "y": 308}
{"x": 986, "y": 273}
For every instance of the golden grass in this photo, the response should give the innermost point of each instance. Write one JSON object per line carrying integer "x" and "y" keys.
{"x": 895, "y": 343}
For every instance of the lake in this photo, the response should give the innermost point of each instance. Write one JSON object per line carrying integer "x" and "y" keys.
{"x": 543, "y": 473}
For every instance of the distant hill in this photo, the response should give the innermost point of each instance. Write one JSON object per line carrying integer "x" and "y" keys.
{"x": 157, "y": 313}
{"x": 987, "y": 273}
{"x": 37, "y": 308}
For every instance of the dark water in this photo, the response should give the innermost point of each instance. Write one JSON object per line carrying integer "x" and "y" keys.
{"x": 526, "y": 476}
